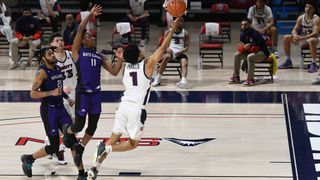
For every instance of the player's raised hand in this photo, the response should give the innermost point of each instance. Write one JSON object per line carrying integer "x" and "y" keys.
{"x": 119, "y": 53}
{"x": 96, "y": 10}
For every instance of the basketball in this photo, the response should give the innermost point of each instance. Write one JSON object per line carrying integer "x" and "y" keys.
{"x": 176, "y": 8}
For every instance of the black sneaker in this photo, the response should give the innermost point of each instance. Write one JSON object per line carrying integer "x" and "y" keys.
{"x": 78, "y": 148}
{"x": 26, "y": 165}
{"x": 83, "y": 177}
{"x": 92, "y": 173}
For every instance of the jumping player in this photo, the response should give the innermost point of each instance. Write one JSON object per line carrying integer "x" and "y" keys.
{"x": 131, "y": 114}
{"x": 88, "y": 100}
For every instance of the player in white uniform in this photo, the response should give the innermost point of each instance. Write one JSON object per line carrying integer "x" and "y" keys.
{"x": 178, "y": 47}
{"x": 262, "y": 20}
{"x": 310, "y": 25}
{"x": 131, "y": 114}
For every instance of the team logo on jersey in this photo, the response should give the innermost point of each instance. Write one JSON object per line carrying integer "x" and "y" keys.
{"x": 189, "y": 142}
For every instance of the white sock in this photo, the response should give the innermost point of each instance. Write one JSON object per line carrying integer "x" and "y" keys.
{"x": 183, "y": 80}
{"x": 82, "y": 145}
{"x": 159, "y": 77}
{"x": 314, "y": 60}
{"x": 108, "y": 149}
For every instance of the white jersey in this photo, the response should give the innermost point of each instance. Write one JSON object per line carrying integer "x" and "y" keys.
{"x": 137, "y": 7}
{"x": 137, "y": 84}
{"x": 307, "y": 25}
{"x": 177, "y": 41}
{"x": 69, "y": 71}
{"x": 259, "y": 17}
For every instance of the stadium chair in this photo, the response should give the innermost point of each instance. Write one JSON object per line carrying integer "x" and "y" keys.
{"x": 173, "y": 67}
{"x": 222, "y": 9}
{"x": 210, "y": 47}
{"x": 138, "y": 31}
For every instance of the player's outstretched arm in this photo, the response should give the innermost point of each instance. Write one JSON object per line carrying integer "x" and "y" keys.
{"x": 95, "y": 11}
{"x": 156, "y": 56}
{"x": 114, "y": 69}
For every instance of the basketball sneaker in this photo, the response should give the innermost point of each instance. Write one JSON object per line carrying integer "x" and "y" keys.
{"x": 100, "y": 151}
{"x": 83, "y": 177}
{"x": 316, "y": 81}
{"x": 249, "y": 82}
{"x": 68, "y": 139}
{"x": 78, "y": 148}
{"x": 235, "y": 79}
{"x": 26, "y": 165}
{"x": 182, "y": 85}
{"x": 286, "y": 65}
{"x": 156, "y": 82}
{"x": 60, "y": 155}
{"x": 92, "y": 173}
{"x": 313, "y": 67}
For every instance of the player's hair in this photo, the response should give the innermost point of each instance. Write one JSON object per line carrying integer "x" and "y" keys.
{"x": 313, "y": 3}
{"x": 54, "y": 35}
{"x": 247, "y": 20}
{"x": 131, "y": 53}
{"x": 41, "y": 53}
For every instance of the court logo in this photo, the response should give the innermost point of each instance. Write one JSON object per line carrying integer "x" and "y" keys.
{"x": 22, "y": 141}
{"x": 189, "y": 142}
{"x": 312, "y": 118}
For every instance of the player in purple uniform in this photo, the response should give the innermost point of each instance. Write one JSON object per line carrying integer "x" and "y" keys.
{"x": 47, "y": 86}
{"x": 88, "y": 100}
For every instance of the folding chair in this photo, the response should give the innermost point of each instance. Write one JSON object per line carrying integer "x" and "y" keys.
{"x": 4, "y": 45}
{"x": 173, "y": 67}
{"x": 138, "y": 30}
{"x": 210, "y": 47}
{"x": 264, "y": 68}
{"x": 222, "y": 9}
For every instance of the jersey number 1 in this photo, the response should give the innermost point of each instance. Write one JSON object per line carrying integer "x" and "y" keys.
{"x": 134, "y": 78}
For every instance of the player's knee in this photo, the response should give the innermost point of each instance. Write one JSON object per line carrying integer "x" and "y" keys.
{"x": 91, "y": 129}
{"x": 133, "y": 143}
{"x": 313, "y": 41}
{"x": 52, "y": 148}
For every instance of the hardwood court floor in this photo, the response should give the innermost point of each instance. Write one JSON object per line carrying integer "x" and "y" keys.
{"x": 250, "y": 138}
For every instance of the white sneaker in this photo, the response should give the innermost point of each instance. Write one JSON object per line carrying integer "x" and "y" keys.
{"x": 316, "y": 81}
{"x": 14, "y": 66}
{"x": 156, "y": 82}
{"x": 182, "y": 85}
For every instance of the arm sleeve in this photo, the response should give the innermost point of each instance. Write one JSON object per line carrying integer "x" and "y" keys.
{"x": 242, "y": 37}
{"x": 37, "y": 35}
{"x": 19, "y": 35}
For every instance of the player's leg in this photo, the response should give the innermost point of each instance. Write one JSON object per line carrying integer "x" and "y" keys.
{"x": 313, "y": 44}
{"x": 166, "y": 58}
{"x": 287, "y": 40}
{"x": 183, "y": 83}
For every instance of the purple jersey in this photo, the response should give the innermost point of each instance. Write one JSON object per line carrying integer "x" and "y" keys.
{"x": 89, "y": 69}
{"x": 53, "y": 81}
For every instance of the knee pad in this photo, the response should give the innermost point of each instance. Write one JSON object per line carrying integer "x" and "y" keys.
{"x": 53, "y": 147}
{"x": 70, "y": 141}
{"x": 79, "y": 124}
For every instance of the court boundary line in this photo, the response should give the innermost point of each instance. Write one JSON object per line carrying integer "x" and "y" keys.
{"x": 295, "y": 173}
{"x": 143, "y": 176}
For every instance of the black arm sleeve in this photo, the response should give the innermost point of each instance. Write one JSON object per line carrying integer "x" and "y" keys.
{"x": 64, "y": 95}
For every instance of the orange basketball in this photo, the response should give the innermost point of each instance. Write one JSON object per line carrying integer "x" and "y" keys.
{"x": 176, "y": 8}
